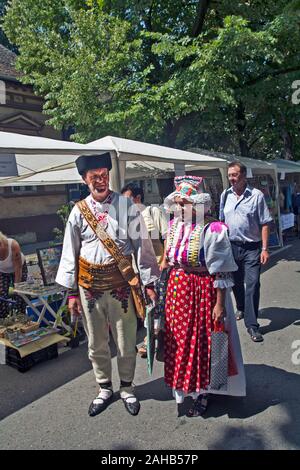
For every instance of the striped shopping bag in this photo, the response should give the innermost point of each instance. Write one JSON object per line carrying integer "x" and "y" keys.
{"x": 219, "y": 357}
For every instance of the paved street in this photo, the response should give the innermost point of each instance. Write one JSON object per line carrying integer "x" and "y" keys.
{"x": 46, "y": 408}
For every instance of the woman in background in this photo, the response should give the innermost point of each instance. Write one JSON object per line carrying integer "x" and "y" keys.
{"x": 13, "y": 269}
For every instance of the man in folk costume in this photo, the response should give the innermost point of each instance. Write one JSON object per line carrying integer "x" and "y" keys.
{"x": 102, "y": 233}
{"x": 198, "y": 301}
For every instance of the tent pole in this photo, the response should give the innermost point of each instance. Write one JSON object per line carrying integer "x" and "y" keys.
{"x": 278, "y": 208}
{"x": 122, "y": 171}
{"x": 223, "y": 172}
{"x": 179, "y": 169}
{"x": 114, "y": 179}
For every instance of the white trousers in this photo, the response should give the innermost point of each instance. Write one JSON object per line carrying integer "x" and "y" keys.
{"x": 107, "y": 314}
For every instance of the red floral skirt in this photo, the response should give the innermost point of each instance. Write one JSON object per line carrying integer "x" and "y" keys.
{"x": 189, "y": 303}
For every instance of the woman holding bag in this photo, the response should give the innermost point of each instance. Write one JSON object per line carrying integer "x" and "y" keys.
{"x": 198, "y": 301}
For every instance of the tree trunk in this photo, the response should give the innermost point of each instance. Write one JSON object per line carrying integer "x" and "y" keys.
{"x": 202, "y": 9}
{"x": 244, "y": 147}
{"x": 171, "y": 132}
{"x": 288, "y": 153}
{"x": 241, "y": 126}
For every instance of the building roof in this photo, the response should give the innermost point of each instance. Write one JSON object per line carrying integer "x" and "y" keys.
{"x": 7, "y": 63}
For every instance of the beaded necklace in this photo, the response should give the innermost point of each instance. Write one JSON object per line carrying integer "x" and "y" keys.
{"x": 194, "y": 246}
{"x": 170, "y": 239}
{"x": 102, "y": 216}
{"x": 191, "y": 252}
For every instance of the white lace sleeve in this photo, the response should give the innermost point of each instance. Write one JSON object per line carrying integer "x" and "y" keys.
{"x": 223, "y": 280}
{"x": 217, "y": 249}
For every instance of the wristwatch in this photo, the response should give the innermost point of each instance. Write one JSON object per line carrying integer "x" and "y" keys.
{"x": 264, "y": 249}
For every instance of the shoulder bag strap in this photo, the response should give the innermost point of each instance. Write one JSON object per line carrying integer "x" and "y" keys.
{"x": 124, "y": 265}
{"x": 223, "y": 204}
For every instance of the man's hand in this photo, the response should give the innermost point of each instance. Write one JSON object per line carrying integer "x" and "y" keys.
{"x": 75, "y": 306}
{"x": 218, "y": 312}
{"x": 264, "y": 257}
{"x": 151, "y": 294}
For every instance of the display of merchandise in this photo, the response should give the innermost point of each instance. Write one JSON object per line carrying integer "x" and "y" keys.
{"x": 287, "y": 205}
{"x": 36, "y": 289}
{"x": 20, "y": 339}
{"x": 267, "y": 186}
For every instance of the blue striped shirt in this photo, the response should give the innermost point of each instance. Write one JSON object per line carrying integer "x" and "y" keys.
{"x": 246, "y": 215}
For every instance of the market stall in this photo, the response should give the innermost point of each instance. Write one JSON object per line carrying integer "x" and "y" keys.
{"x": 37, "y": 295}
{"x": 131, "y": 160}
{"x": 22, "y": 155}
{"x": 289, "y": 195}
{"x": 141, "y": 160}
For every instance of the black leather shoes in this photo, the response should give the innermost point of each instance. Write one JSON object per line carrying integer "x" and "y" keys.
{"x": 239, "y": 315}
{"x": 132, "y": 408}
{"x": 97, "y": 408}
{"x": 255, "y": 335}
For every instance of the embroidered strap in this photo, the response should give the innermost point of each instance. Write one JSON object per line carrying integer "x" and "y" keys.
{"x": 123, "y": 263}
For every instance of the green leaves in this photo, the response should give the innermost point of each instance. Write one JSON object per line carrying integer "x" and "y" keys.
{"x": 135, "y": 69}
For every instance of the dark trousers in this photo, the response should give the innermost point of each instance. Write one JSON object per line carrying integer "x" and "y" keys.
{"x": 247, "y": 257}
{"x": 6, "y": 280}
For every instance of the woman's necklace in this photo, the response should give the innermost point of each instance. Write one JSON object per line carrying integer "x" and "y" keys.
{"x": 102, "y": 216}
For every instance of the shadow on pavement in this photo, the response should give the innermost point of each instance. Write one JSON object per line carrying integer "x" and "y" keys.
{"x": 280, "y": 318}
{"x": 266, "y": 387}
{"x": 290, "y": 254}
{"x": 250, "y": 438}
{"x": 155, "y": 390}
{"x": 18, "y": 390}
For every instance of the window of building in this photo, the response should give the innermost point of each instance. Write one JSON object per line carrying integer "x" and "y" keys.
{"x": 19, "y": 189}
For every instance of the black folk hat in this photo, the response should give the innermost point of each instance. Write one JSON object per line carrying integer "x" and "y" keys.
{"x": 91, "y": 162}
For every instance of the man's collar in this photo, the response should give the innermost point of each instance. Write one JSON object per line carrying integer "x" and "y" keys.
{"x": 248, "y": 189}
{"x": 107, "y": 200}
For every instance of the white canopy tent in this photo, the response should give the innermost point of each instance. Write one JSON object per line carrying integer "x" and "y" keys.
{"x": 134, "y": 170}
{"x": 138, "y": 158}
{"x": 286, "y": 166}
{"x": 42, "y": 161}
{"x": 23, "y": 156}
{"x": 255, "y": 165}
{"x": 27, "y": 144}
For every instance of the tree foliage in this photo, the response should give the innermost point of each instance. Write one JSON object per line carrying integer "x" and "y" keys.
{"x": 185, "y": 73}
{"x": 3, "y": 39}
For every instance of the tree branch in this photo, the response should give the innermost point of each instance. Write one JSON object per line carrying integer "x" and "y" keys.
{"x": 148, "y": 20}
{"x": 202, "y": 9}
{"x": 255, "y": 140}
{"x": 254, "y": 81}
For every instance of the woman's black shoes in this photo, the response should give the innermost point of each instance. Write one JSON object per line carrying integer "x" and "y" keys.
{"x": 199, "y": 406}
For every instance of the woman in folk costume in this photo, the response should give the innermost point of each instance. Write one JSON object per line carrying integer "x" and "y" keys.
{"x": 198, "y": 297}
